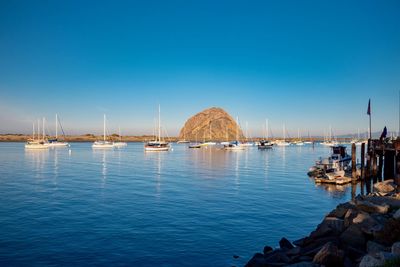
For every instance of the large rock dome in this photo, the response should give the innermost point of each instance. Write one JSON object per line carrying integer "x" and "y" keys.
{"x": 210, "y": 124}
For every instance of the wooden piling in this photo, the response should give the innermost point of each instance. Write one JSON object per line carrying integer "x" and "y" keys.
{"x": 362, "y": 160}
{"x": 380, "y": 166}
{"x": 353, "y": 161}
{"x": 389, "y": 165}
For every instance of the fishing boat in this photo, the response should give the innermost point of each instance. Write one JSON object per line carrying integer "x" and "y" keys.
{"x": 104, "y": 143}
{"x": 120, "y": 144}
{"x": 37, "y": 143}
{"x": 264, "y": 144}
{"x": 333, "y": 166}
{"x": 235, "y": 145}
{"x": 158, "y": 144}
{"x": 55, "y": 142}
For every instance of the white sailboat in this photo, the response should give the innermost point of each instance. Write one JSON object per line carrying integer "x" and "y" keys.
{"x": 104, "y": 143}
{"x": 283, "y": 142}
{"x": 209, "y": 143}
{"x": 37, "y": 143}
{"x": 264, "y": 144}
{"x": 299, "y": 142}
{"x": 247, "y": 143}
{"x": 235, "y": 145}
{"x": 158, "y": 144}
{"x": 184, "y": 141}
{"x": 120, "y": 144}
{"x": 55, "y": 142}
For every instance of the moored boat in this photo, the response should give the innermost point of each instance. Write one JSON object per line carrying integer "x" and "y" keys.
{"x": 158, "y": 144}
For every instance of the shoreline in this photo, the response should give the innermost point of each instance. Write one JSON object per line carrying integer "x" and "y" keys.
{"x": 364, "y": 232}
{"x": 130, "y": 138}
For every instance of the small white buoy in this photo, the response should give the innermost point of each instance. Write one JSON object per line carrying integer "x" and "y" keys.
{"x": 69, "y": 152}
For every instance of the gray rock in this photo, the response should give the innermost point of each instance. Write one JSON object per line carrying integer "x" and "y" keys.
{"x": 329, "y": 255}
{"x": 385, "y": 187}
{"x": 369, "y": 261}
{"x": 396, "y": 249}
{"x": 385, "y": 256}
{"x": 303, "y": 264}
{"x": 396, "y": 215}
{"x": 349, "y": 216}
{"x": 337, "y": 225}
{"x": 374, "y": 248}
{"x": 285, "y": 244}
{"x": 276, "y": 256}
{"x": 353, "y": 236}
{"x": 370, "y": 207}
{"x": 267, "y": 249}
{"x": 367, "y": 223}
{"x": 257, "y": 260}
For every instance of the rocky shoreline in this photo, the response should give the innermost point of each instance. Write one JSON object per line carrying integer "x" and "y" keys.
{"x": 363, "y": 232}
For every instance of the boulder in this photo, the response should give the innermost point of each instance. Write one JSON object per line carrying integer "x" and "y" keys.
{"x": 389, "y": 234}
{"x": 285, "y": 244}
{"x": 396, "y": 215}
{"x": 341, "y": 210}
{"x": 349, "y": 216}
{"x": 374, "y": 248}
{"x": 267, "y": 249}
{"x": 385, "y": 187}
{"x": 396, "y": 249}
{"x": 353, "y": 236}
{"x": 329, "y": 255}
{"x": 276, "y": 257}
{"x": 303, "y": 264}
{"x": 257, "y": 260}
{"x": 336, "y": 224}
{"x": 367, "y": 223}
{"x": 370, "y": 207}
{"x": 369, "y": 261}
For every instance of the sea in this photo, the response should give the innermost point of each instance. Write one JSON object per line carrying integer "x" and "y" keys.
{"x": 77, "y": 206}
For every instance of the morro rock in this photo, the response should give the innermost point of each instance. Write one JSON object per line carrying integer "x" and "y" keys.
{"x": 211, "y": 124}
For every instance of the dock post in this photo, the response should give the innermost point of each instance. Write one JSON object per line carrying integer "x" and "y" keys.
{"x": 368, "y": 165}
{"x": 388, "y": 171}
{"x": 380, "y": 165}
{"x": 353, "y": 162}
{"x": 362, "y": 160}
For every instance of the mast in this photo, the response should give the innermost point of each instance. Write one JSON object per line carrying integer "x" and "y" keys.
{"x": 56, "y": 125}
{"x": 38, "y": 129}
{"x": 119, "y": 133}
{"x": 33, "y": 133}
{"x": 237, "y": 128}
{"x": 284, "y": 133}
{"x": 104, "y": 127}
{"x": 298, "y": 134}
{"x": 266, "y": 129}
{"x": 210, "y": 130}
{"x": 159, "y": 123}
{"x": 43, "y": 128}
{"x": 247, "y": 131}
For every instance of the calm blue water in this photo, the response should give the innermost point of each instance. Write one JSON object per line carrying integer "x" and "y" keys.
{"x": 179, "y": 208}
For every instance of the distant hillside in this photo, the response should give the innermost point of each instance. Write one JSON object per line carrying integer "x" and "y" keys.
{"x": 222, "y": 125}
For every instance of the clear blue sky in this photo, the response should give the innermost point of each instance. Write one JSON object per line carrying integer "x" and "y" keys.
{"x": 308, "y": 64}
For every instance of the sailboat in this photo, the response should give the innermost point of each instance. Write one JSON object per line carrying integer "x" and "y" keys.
{"x": 158, "y": 144}
{"x": 264, "y": 144}
{"x": 247, "y": 143}
{"x": 235, "y": 145}
{"x": 37, "y": 143}
{"x": 196, "y": 144}
{"x": 120, "y": 143}
{"x": 309, "y": 139}
{"x": 226, "y": 142}
{"x": 299, "y": 142}
{"x": 184, "y": 141}
{"x": 209, "y": 143}
{"x": 283, "y": 142}
{"x": 54, "y": 142}
{"x": 329, "y": 141}
{"x": 104, "y": 143}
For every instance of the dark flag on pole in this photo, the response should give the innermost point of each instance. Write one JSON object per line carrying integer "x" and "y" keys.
{"x": 384, "y": 133}
{"x": 369, "y": 107}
